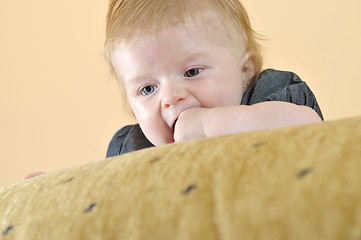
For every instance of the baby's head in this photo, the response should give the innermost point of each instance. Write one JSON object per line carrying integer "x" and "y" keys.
{"x": 171, "y": 55}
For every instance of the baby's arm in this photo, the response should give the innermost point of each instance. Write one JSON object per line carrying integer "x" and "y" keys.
{"x": 209, "y": 122}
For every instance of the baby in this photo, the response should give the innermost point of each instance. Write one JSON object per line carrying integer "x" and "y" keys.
{"x": 192, "y": 69}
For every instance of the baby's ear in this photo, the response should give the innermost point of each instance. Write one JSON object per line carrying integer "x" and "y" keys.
{"x": 248, "y": 66}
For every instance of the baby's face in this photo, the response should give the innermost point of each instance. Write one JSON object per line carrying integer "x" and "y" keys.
{"x": 174, "y": 70}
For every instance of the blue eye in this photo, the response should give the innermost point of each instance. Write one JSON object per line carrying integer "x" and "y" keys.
{"x": 193, "y": 72}
{"x": 147, "y": 90}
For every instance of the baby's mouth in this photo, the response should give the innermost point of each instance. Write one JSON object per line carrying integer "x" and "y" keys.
{"x": 175, "y": 122}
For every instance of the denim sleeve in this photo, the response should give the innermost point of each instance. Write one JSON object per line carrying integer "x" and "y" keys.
{"x": 116, "y": 143}
{"x": 273, "y": 85}
{"x": 128, "y": 139}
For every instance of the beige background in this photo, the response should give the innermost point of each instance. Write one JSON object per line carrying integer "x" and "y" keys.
{"x": 60, "y": 108}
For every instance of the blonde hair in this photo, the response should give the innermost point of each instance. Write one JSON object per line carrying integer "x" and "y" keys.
{"x": 129, "y": 18}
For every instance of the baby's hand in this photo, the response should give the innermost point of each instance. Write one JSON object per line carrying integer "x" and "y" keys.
{"x": 199, "y": 122}
{"x": 190, "y": 124}
{"x": 31, "y": 175}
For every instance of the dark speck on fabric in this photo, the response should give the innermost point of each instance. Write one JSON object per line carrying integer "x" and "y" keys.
{"x": 90, "y": 208}
{"x": 155, "y": 160}
{"x": 304, "y": 173}
{"x": 189, "y": 189}
{"x": 259, "y": 144}
{"x": 7, "y": 231}
{"x": 70, "y": 179}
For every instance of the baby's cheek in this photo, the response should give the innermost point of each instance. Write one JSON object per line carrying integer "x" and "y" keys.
{"x": 157, "y": 132}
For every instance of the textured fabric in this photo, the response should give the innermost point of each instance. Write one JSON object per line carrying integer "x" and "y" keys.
{"x": 297, "y": 183}
{"x": 272, "y": 85}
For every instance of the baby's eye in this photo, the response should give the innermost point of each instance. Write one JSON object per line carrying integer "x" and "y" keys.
{"x": 147, "y": 90}
{"x": 193, "y": 72}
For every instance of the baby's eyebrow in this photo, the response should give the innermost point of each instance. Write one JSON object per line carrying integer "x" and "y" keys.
{"x": 193, "y": 56}
{"x": 136, "y": 79}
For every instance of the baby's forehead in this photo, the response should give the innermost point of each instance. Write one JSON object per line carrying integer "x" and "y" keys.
{"x": 175, "y": 46}
{"x": 214, "y": 32}
{"x": 178, "y": 36}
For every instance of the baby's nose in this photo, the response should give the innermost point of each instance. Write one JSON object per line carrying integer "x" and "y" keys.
{"x": 172, "y": 95}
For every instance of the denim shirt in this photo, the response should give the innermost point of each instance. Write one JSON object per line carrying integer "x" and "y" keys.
{"x": 271, "y": 85}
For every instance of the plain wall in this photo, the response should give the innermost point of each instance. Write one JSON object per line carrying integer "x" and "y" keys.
{"x": 59, "y": 107}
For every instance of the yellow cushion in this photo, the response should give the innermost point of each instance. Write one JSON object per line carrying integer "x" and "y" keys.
{"x": 291, "y": 183}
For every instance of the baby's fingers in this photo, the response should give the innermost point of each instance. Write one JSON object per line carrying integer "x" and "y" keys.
{"x": 31, "y": 175}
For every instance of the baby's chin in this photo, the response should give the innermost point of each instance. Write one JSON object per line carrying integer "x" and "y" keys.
{"x": 162, "y": 139}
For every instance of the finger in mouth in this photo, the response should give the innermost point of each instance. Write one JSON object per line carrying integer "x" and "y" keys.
{"x": 175, "y": 122}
